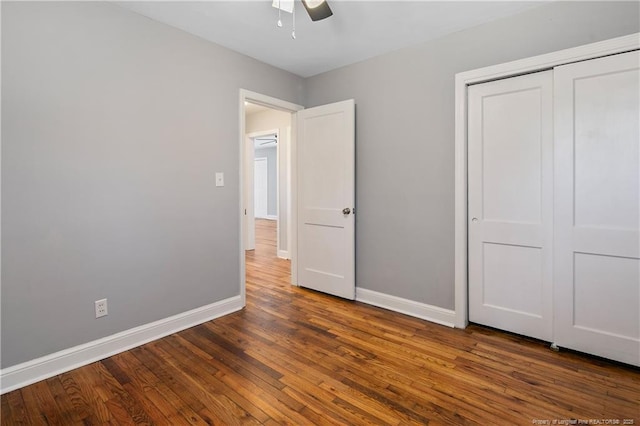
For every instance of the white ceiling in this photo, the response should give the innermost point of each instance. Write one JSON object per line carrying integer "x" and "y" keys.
{"x": 357, "y": 30}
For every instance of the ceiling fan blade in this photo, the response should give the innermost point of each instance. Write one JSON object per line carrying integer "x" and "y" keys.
{"x": 317, "y": 9}
{"x": 267, "y": 139}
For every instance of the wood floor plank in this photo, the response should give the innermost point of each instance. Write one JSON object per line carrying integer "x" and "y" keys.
{"x": 5, "y": 411}
{"x": 296, "y": 356}
{"x": 117, "y": 397}
{"x": 63, "y": 401}
{"x": 139, "y": 384}
{"x": 175, "y": 387}
{"x": 85, "y": 409}
{"x": 146, "y": 385}
{"x": 49, "y": 413}
{"x": 17, "y": 412}
{"x": 201, "y": 378}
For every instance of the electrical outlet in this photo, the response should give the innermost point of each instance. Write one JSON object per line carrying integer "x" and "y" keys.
{"x": 101, "y": 308}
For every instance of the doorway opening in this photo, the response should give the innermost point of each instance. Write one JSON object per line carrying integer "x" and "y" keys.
{"x": 268, "y": 183}
{"x": 267, "y": 186}
{"x": 267, "y": 166}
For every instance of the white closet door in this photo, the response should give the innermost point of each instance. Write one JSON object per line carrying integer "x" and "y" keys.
{"x": 597, "y": 199}
{"x": 510, "y": 204}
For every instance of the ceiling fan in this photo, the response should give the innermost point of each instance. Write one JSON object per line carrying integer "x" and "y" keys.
{"x": 316, "y": 9}
{"x": 266, "y": 140}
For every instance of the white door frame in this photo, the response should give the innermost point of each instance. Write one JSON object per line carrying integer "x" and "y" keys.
{"x": 278, "y": 104}
{"x": 509, "y": 69}
{"x": 248, "y": 220}
{"x": 285, "y": 254}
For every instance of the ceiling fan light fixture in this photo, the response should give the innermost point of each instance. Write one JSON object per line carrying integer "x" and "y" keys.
{"x": 317, "y": 9}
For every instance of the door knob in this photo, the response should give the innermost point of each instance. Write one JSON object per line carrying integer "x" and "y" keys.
{"x": 346, "y": 210}
{"x": 475, "y": 219}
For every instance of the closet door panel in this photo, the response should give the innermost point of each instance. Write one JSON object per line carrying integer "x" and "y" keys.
{"x": 597, "y": 207}
{"x": 510, "y": 204}
{"x": 615, "y": 312}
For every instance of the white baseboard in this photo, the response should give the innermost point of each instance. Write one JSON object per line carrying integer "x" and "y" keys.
{"x": 423, "y": 311}
{"x": 283, "y": 254}
{"x": 33, "y": 371}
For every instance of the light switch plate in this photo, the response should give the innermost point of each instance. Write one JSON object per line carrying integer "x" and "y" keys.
{"x": 219, "y": 179}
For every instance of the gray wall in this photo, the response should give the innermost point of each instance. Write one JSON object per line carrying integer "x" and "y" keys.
{"x": 405, "y": 137}
{"x": 113, "y": 128}
{"x": 272, "y": 178}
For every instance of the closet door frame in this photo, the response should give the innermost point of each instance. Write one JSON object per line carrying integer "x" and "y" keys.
{"x": 509, "y": 69}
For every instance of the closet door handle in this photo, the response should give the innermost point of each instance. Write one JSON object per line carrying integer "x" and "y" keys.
{"x": 346, "y": 211}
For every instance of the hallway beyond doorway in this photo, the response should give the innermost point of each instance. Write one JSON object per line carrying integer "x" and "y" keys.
{"x": 263, "y": 262}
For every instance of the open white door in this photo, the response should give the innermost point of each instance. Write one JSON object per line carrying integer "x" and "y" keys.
{"x": 326, "y": 198}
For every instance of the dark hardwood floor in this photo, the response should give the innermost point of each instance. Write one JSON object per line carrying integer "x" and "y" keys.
{"x": 298, "y": 357}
